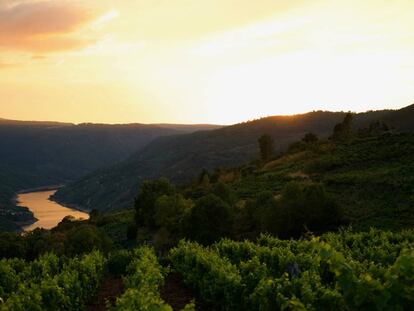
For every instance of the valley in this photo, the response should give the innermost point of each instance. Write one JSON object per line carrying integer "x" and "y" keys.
{"x": 48, "y": 214}
{"x": 264, "y": 215}
{"x": 181, "y": 158}
{"x": 38, "y": 154}
{"x": 206, "y": 155}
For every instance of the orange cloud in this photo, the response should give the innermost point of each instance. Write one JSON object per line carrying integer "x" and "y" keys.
{"x": 43, "y": 26}
{"x": 4, "y": 65}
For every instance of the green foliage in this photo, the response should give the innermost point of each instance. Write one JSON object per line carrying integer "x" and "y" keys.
{"x": 12, "y": 245}
{"x": 210, "y": 219}
{"x": 150, "y": 191}
{"x": 263, "y": 212}
{"x": 217, "y": 280}
{"x": 343, "y": 131}
{"x": 180, "y": 157}
{"x": 315, "y": 190}
{"x": 47, "y": 153}
{"x": 224, "y": 192}
{"x": 370, "y": 179}
{"x": 204, "y": 178}
{"x": 144, "y": 278}
{"x": 344, "y": 271}
{"x": 299, "y": 208}
{"x": 171, "y": 211}
{"x": 69, "y": 238}
{"x": 374, "y": 129}
{"x": 86, "y": 239}
{"x": 49, "y": 283}
{"x": 118, "y": 262}
{"x": 305, "y": 207}
{"x": 171, "y": 216}
{"x": 310, "y": 138}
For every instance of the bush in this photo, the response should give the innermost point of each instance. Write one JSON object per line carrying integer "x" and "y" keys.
{"x": 210, "y": 219}
{"x": 144, "y": 279}
{"x": 301, "y": 208}
{"x": 49, "y": 284}
{"x": 85, "y": 239}
{"x": 145, "y": 202}
{"x": 118, "y": 262}
{"x": 323, "y": 164}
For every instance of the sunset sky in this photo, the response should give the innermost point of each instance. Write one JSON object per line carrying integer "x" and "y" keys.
{"x": 202, "y": 61}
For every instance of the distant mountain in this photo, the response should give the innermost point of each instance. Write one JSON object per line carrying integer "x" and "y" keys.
{"x": 35, "y": 154}
{"x": 189, "y": 127}
{"x": 181, "y": 157}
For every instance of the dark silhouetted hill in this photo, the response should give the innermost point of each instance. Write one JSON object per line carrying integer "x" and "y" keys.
{"x": 181, "y": 157}
{"x": 35, "y": 154}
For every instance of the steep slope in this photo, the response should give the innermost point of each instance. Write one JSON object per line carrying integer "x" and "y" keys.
{"x": 371, "y": 178}
{"x": 181, "y": 157}
{"x": 402, "y": 119}
{"x": 35, "y": 154}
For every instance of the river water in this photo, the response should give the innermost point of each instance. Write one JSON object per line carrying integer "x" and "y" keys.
{"x": 48, "y": 213}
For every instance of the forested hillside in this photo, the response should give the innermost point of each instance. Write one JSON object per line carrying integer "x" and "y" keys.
{"x": 35, "y": 154}
{"x": 325, "y": 224}
{"x": 181, "y": 158}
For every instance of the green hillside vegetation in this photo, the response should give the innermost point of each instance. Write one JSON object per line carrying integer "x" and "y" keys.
{"x": 363, "y": 179}
{"x": 36, "y": 154}
{"x": 341, "y": 271}
{"x": 180, "y": 157}
{"x": 325, "y": 225}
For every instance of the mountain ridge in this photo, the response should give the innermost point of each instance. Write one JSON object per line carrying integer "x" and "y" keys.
{"x": 181, "y": 157}
{"x": 36, "y": 154}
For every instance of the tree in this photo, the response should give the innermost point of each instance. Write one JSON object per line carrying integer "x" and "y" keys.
{"x": 204, "y": 178}
{"x": 306, "y": 207}
{"x": 378, "y": 128}
{"x": 310, "y": 138}
{"x": 170, "y": 212}
{"x": 12, "y": 245}
{"x": 210, "y": 219}
{"x": 85, "y": 239}
{"x": 145, "y": 202}
{"x": 263, "y": 212}
{"x": 225, "y": 192}
{"x": 266, "y": 147}
{"x": 343, "y": 131}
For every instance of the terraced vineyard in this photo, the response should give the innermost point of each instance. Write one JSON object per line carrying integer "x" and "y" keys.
{"x": 344, "y": 271}
{"x": 50, "y": 283}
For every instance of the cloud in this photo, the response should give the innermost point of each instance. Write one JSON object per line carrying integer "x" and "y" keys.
{"x": 5, "y": 65}
{"x": 43, "y": 26}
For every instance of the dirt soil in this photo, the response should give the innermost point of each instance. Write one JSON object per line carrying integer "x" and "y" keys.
{"x": 177, "y": 294}
{"x": 111, "y": 289}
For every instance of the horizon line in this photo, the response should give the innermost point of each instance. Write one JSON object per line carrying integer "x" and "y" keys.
{"x": 193, "y": 124}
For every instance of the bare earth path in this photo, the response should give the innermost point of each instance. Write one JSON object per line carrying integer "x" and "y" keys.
{"x": 111, "y": 289}
{"x": 177, "y": 294}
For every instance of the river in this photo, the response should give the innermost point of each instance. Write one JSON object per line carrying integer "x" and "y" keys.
{"x": 48, "y": 213}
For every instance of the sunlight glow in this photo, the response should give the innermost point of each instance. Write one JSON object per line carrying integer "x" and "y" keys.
{"x": 206, "y": 61}
{"x": 105, "y": 18}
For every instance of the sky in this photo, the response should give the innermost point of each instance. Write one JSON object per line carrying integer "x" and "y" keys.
{"x": 202, "y": 61}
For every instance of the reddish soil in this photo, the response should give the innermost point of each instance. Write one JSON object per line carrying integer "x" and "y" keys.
{"x": 111, "y": 289}
{"x": 177, "y": 294}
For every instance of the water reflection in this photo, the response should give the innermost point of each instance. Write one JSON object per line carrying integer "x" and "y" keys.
{"x": 48, "y": 213}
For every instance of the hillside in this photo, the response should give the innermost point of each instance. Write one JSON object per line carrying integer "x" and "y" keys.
{"x": 35, "y": 154}
{"x": 221, "y": 243}
{"x": 182, "y": 157}
{"x": 371, "y": 178}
